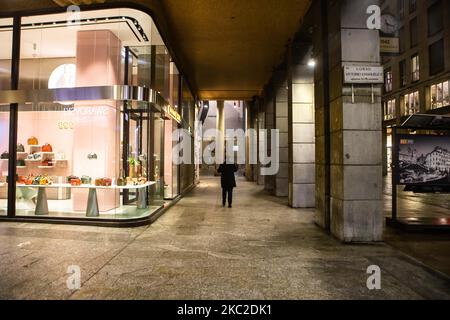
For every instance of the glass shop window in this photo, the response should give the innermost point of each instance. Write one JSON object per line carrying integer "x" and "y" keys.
{"x": 5, "y": 84}
{"x": 85, "y": 158}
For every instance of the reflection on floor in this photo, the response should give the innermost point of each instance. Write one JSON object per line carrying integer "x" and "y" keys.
{"x": 64, "y": 209}
{"x": 410, "y": 204}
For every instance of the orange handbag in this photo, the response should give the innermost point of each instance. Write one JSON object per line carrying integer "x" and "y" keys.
{"x": 33, "y": 141}
{"x": 47, "y": 148}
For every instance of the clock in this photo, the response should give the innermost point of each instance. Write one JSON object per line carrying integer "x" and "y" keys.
{"x": 389, "y": 24}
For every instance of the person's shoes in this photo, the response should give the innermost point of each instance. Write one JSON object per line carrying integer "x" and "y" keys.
{"x": 223, "y": 205}
{"x": 230, "y": 206}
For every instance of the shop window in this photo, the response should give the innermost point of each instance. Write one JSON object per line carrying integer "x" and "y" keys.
{"x": 402, "y": 69}
{"x": 389, "y": 109}
{"x": 96, "y": 159}
{"x": 5, "y": 53}
{"x": 415, "y": 68}
{"x": 435, "y": 18}
{"x": 437, "y": 57}
{"x": 162, "y": 72}
{"x": 439, "y": 95}
{"x": 411, "y": 103}
{"x": 388, "y": 80}
{"x": 5, "y": 84}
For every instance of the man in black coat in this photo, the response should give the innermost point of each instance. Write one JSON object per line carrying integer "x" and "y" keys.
{"x": 228, "y": 182}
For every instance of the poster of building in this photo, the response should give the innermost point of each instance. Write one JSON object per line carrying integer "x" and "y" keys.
{"x": 423, "y": 160}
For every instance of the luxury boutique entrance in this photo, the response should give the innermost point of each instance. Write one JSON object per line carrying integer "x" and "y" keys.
{"x": 90, "y": 106}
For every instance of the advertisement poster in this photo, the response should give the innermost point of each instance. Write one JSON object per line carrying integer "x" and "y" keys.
{"x": 423, "y": 160}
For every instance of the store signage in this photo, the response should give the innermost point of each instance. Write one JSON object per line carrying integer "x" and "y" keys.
{"x": 363, "y": 74}
{"x": 389, "y": 45}
{"x": 174, "y": 114}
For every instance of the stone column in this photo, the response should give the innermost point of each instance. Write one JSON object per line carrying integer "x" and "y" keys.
{"x": 301, "y": 128}
{"x": 281, "y": 124}
{"x": 269, "y": 119}
{"x": 356, "y": 210}
{"x": 261, "y": 125}
{"x": 220, "y": 127}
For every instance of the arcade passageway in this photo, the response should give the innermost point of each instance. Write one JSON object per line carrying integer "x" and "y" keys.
{"x": 260, "y": 249}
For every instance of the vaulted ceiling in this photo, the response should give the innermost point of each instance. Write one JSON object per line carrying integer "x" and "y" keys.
{"x": 227, "y": 48}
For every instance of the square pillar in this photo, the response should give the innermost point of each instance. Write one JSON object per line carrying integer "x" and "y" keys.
{"x": 281, "y": 123}
{"x": 353, "y": 130}
{"x": 302, "y": 141}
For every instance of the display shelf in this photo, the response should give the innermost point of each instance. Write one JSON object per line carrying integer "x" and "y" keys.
{"x": 46, "y": 167}
{"x": 33, "y": 160}
{"x": 21, "y": 167}
{"x": 46, "y": 153}
{"x": 22, "y": 153}
{"x": 88, "y": 186}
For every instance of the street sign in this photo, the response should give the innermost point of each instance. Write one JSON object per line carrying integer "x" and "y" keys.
{"x": 363, "y": 74}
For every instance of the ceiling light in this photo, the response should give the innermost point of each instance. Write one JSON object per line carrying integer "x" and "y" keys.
{"x": 311, "y": 63}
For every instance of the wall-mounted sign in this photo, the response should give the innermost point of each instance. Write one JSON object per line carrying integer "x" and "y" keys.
{"x": 389, "y": 45}
{"x": 363, "y": 74}
{"x": 174, "y": 114}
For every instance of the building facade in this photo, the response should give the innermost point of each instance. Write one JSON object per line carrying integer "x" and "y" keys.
{"x": 417, "y": 71}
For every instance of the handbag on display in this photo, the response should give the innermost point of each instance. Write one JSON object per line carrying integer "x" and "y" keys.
{"x": 75, "y": 182}
{"x": 37, "y": 181}
{"x": 5, "y": 155}
{"x": 20, "y": 148}
{"x": 86, "y": 180}
{"x": 33, "y": 141}
{"x": 69, "y": 178}
{"x": 21, "y": 163}
{"x": 47, "y": 163}
{"x": 121, "y": 182}
{"x": 47, "y": 148}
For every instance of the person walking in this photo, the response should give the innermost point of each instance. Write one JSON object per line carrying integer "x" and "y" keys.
{"x": 228, "y": 182}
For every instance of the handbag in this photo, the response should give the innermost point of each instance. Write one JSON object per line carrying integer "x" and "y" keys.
{"x": 20, "y": 148}
{"x": 47, "y": 148}
{"x": 21, "y": 163}
{"x": 33, "y": 141}
{"x": 5, "y": 155}
{"x": 86, "y": 180}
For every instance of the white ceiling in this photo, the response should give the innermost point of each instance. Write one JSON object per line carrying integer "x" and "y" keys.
{"x": 60, "y": 41}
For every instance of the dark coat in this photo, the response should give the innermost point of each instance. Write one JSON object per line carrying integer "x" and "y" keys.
{"x": 227, "y": 179}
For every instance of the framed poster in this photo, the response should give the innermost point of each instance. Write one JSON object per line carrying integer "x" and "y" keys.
{"x": 423, "y": 160}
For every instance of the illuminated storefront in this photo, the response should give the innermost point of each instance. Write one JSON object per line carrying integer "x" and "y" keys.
{"x": 84, "y": 129}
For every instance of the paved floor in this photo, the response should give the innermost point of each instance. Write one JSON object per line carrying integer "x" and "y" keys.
{"x": 260, "y": 249}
